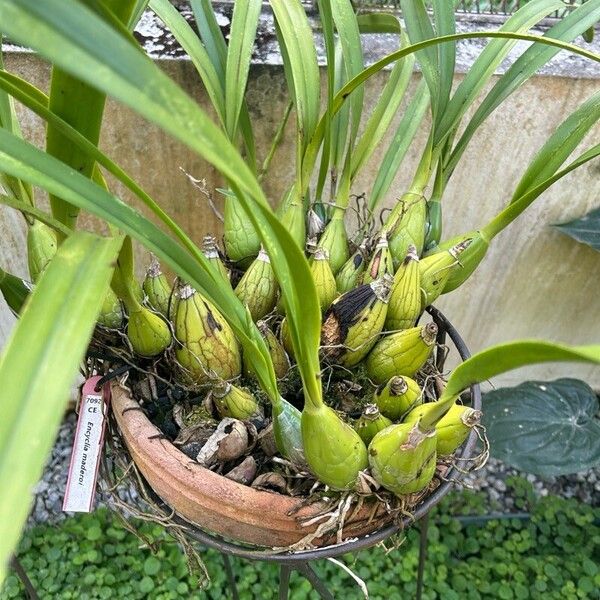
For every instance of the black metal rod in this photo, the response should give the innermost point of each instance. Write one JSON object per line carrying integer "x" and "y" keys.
{"x": 422, "y": 555}
{"x": 315, "y": 580}
{"x": 230, "y": 576}
{"x": 284, "y": 582}
{"x": 16, "y": 566}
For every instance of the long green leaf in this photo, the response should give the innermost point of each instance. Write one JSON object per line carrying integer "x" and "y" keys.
{"x": 199, "y": 56}
{"x": 559, "y": 145}
{"x": 445, "y": 24}
{"x": 38, "y": 367}
{"x": 17, "y": 156}
{"x": 35, "y": 212}
{"x": 517, "y": 206}
{"x": 339, "y": 100}
{"x": 241, "y": 42}
{"x": 346, "y": 25}
{"x": 37, "y": 101}
{"x": 420, "y": 29}
{"x": 300, "y": 60}
{"x": 82, "y": 106}
{"x": 487, "y": 62}
{"x": 567, "y": 29}
{"x": 73, "y": 37}
{"x": 211, "y": 36}
{"x": 383, "y": 113}
{"x": 10, "y": 122}
{"x": 506, "y": 357}
{"x": 403, "y": 138}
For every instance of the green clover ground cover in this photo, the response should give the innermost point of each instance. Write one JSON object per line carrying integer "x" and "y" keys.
{"x": 555, "y": 555}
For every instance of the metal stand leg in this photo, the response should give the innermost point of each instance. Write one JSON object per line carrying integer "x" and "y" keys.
{"x": 15, "y": 565}
{"x": 284, "y": 582}
{"x": 230, "y": 577}
{"x": 317, "y": 584}
{"x": 422, "y": 555}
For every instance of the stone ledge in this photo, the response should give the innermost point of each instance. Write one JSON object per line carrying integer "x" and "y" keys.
{"x": 160, "y": 44}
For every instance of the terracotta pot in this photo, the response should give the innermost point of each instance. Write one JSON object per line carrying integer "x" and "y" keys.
{"x": 214, "y": 502}
{"x": 238, "y": 512}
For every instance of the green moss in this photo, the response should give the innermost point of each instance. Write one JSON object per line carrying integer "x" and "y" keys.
{"x": 552, "y": 556}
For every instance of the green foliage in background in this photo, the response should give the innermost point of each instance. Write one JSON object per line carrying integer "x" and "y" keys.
{"x": 552, "y": 556}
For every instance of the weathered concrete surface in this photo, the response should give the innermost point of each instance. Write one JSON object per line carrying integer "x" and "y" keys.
{"x": 535, "y": 282}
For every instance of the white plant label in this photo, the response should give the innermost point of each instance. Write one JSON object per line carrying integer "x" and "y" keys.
{"x": 87, "y": 447}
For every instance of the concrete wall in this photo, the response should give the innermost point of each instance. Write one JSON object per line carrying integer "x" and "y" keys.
{"x": 535, "y": 282}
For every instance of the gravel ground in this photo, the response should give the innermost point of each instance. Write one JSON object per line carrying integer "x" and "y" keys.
{"x": 491, "y": 479}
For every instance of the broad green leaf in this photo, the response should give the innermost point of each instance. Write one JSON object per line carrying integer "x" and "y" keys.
{"x": 487, "y": 62}
{"x": 38, "y": 367}
{"x": 241, "y": 42}
{"x": 199, "y": 56}
{"x": 548, "y": 428}
{"x": 585, "y": 229}
{"x": 567, "y": 29}
{"x": 559, "y": 145}
{"x": 405, "y": 133}
{"x": 506, "y": 357}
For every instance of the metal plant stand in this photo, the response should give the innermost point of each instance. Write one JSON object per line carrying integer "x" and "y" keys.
{"x": 301, "y": 561}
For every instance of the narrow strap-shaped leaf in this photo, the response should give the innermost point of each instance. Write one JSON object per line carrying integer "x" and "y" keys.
{"x": 215, "y": 49}
{"x": 298, "y": 51}
{"x": 10, "y": 122}
{"x": 211, "y": 35}
{"x": 383, "y": 113}
{"x": 35, "y": 212}
{"x": 445, "y": 24}
{"x": 25, "y": 161}
{"x": 72, "y": 36}
{"x": 419, "y": 28}
{"x": 136, "y": 13}
{"x": 315, "y": 143}
{"x": 403, "y": 137}
{"x": 199, "y": 56}
{"x": 328, "y": 36}
{"x": 559, "y": 145}
{"x": 506, "y": 357}
{"x": 517, "y": 206}
{"x": 487, "y": 62}
{"x": 37, "y": 101}
{"x": 346, "y": 25}
{"x": 241, "y": 42}
{"x": 38, "y": 366}
{"x": 567, "y": 29}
